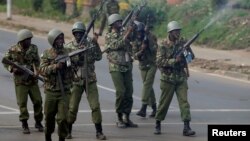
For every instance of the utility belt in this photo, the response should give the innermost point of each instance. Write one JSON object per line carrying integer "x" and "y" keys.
{"x": 171, "y": 70}
{"x": 126, "y": 64}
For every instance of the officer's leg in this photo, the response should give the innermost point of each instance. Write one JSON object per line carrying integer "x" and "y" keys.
{"x": 143, "y": 109}
{"x": 118, "y": 81}
{"x": 93, "y": 99}
{"x": 74, "y": 101}
{"x": 182, "y": 98}
{"x": 167, "y": 92}
{"x": 50, "y": 110}
{"x": 62, "y": 111}
{"x": 36, "y": 99}
{"x": 22, "y": 98}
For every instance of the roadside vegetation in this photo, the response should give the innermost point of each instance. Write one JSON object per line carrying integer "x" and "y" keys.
{"x": 230, "y": 29}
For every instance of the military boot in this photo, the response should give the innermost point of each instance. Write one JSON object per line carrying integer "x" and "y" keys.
{"x": 154, "y": 111}
{"x": 39, "y": 126}
{"x": 48, "y": 137}
{"x": 99, "y": 134}
{"x": 187, "y": 131}
{"x": 69, "y": 136}
{"x": 61, "y": 139}
{"x": 142, "y": 112}
{"x": 128, "y": 122}
{"x": 157, "y": 127}
{"x": 120, "y": 123}
{"x": 25, "y": 126}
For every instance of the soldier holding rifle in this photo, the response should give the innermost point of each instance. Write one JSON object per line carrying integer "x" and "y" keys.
{"x": 57, "y": 76}
{"x": 25, "y": 55}
{"x": 174, "y": 75}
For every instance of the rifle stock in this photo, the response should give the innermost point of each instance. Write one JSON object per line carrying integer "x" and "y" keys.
{"x": 22, "y": 68}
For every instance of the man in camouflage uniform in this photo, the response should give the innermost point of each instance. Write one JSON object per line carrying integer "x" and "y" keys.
{"x": 26, "y": 54}
{"x": 144, "y": 50}
{"x": 111, "y": 7}
{"x": 119, "y": 53}
{"x": 57, "y": 76}
{"x": 79, "y": 83}
{"x": 174, "y": 75}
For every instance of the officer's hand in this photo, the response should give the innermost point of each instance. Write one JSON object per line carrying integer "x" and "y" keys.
{"x": 60, "y": 65}
{"x": 16, "y": 71}
{"x": 96, "y": 36}
{"x": 178, "y": 58}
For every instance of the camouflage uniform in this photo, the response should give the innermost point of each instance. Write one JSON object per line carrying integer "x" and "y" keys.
{"x": 111, "y": 7}
{"x": 26, "y": 86}
{"x": 79, "y": 81}
{"x": 148, "y": 69}
{"x": 56, "y": 104}
{"x": 120, "y": 67}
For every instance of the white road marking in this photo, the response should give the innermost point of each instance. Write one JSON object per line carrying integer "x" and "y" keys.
{"x": 9, "y": 108}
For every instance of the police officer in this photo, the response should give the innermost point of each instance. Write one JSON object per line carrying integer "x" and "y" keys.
{"x": 119, "y": 53}
{"x": 174, "y": 75}
{"x": 79, "y": 83}
{"x": 144, "y": 50}
{"x": 111, "y": 7}
{"x": 26, "y": 54}
{"x": 58, "y": 76}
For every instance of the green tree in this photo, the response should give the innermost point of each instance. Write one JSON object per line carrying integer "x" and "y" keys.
{"x": 37, "y": 5}
{"x": 58, "y": 5}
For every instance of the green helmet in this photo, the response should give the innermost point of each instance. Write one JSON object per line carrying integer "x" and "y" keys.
{"x": 24, "y": 34}
{"x": 53, "y": 34}
{"x": 173, "y": 25}
{"x": 114, "y": 18}
{"x": 78, "y": 26}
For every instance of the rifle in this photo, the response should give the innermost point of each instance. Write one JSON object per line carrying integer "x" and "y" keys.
{"x": 187, "y": 44}
{"x": 27, "y": 71}
{"x": 133, "y": 14}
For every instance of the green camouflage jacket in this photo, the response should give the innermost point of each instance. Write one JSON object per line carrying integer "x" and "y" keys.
{"x": 49, "y": 72}
{"x": 170, "y": 69}
{"x": 146, "y": 57}
{"x": 119, "y": 52}
{"x": 25, "y": 58}
{"x": 93, "y": 54}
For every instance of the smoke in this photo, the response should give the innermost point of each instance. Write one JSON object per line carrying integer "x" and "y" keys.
{"x": 222, "y": 12}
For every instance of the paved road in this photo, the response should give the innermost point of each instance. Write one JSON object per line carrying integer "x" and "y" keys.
{"x": 213, "y": 99}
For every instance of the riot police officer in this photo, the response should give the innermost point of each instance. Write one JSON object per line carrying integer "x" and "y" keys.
{"x": 144, "y": 50}
{"x": 80, "y": 83}
{"x": 174, "y": 75}
{"x": 58, "y": 76}
{"x": 26, "y": 54}
{"x": 119, "y": 53}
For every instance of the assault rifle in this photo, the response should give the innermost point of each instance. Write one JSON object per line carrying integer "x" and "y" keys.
{"x": 133, "y": 14}
{"x": 27, "y": 71}
{"x": 187, "y": 44}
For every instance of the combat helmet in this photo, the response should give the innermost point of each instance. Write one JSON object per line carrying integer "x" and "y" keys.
{"x": 53, "y": 34}
{"x": 24, "y": 34}
{"x": 173, "y": 25}
{"x": 78, "y": 27}
{"x": 114, "y": 18}
{"x": 139, "y": 26}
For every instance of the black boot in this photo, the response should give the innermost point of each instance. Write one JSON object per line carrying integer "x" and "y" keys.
{"x": 128, "y": 122}
{"x": 99, "y": 134}
{"x": 61, "y": 139}
{"x": 154, "y": 111}
{"x": 142, "y": 111}
{"x": 157, "y": 127}
{"x": 187, "y": 131}
{"x": 69, "y": 136}
{"x": 25, "y": 126}
{"x": 39, "y": 126}
{"x": 48, "y": 137}
{"x": 120, "y": 123}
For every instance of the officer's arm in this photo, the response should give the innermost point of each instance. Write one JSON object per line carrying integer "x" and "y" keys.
{"x": 46, "y": 65}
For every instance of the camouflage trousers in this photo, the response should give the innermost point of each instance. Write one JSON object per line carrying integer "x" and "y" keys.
{"x": 148, "y": 94}
{"x": 93, "y": 99}
{"x": 22, "y": 93}
{"x": 124, "y": 89}
{"x": 167, "y": 92}
{"x": 56, "y": 109}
